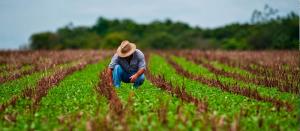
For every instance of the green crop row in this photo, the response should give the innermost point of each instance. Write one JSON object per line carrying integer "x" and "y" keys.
{"x": 24, "y": 68}
{"x": 148, "y": 100}
{"x": 74, "y": 97}
{"x": 75, "y": 103}
{"x": 228, "y": 104}
{"x": 227, "y": 68}
{"x": 242, "y": 72}
{"x": 264, "y": 91}
{"x": 15, "y": 87}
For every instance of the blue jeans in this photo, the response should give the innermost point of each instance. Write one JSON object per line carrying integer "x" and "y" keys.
{"x": 120, "y": 75}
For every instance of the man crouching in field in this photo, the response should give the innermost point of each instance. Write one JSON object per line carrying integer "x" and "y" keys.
{"x": 127, "y": 65}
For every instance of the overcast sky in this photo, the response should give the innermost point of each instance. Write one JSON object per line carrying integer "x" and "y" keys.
{"x": 20, "y": 18}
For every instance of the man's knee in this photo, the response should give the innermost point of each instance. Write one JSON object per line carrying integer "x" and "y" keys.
{"x": 118, "y": 69}
{"x": 141, "y": 79}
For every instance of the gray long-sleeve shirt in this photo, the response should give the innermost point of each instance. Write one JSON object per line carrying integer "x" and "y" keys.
{"x": 137, "y": 62}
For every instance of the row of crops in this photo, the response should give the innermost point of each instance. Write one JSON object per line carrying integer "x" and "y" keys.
{"x": 183, "y": 90}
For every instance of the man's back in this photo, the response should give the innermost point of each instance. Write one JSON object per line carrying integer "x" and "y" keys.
{"x": 127, "y": 65}
{"x": 137, "y": 62}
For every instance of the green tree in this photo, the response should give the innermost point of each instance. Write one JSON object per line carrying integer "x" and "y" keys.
{"x": 45, "y": 40}
{"x": 113, "y": 40}
{"x": 160, "y": 40}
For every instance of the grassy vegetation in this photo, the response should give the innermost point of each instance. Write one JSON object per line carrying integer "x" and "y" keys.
{"x": 149, "y": 104}
{"x": 228, "y": 104}
{"x": 264, "y": 91}
{"x": 7, "y": 90}
{"x": 230, "y": 69}
{"x": 22, "y": 69}
{"x": 73, "y": 96}
{"x": 15, "y": 87}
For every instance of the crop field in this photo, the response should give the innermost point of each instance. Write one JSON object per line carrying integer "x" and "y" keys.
{"x": 183, "y": 90}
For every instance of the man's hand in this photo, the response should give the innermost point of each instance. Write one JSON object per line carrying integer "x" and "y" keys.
{"x": 133, "y": 78}
{"x": 136, "y": 75}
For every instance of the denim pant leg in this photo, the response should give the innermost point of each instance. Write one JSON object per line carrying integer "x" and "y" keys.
{"x": 120, "y": 75}
{"x": 117, "y": 74}
{"x": 139, "y": 81}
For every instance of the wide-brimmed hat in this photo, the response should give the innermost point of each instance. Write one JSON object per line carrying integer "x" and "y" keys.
{"x": 126, "y": 49}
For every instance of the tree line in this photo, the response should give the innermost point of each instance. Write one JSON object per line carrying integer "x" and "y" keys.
{"x": 263, "y": 32}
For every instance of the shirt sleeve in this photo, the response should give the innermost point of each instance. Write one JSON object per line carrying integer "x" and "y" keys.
{"x": 141, "y": 60}
{"x": 113, "y": 62}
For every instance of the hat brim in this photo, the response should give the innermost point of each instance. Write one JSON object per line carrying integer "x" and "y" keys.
{"x": 120, "y": 54}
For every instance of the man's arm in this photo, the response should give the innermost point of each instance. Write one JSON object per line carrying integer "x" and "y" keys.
{"x": 136, "y": 75}
{"x": 141, "y": 66}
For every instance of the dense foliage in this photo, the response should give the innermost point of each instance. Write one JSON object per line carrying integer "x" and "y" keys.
{"x": 277, "y": 33}
{"x": 262, "y": 33}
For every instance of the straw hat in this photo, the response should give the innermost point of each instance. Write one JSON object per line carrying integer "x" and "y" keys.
{"x": 126, "y": 49}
